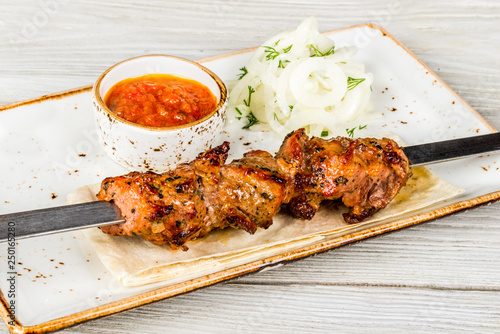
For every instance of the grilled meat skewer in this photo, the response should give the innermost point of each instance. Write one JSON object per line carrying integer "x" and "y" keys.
{"x": 206, "y": 194}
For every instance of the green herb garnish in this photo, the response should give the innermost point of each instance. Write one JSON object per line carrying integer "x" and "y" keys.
{"x": 282, "y": 63}
{"x": 271, "y": 53}
{"x": 250, "y": 92}
{"x": 324, "y": 133}
{"x": 252, "y": 120}
{"x": 318, "y": 53}
{"x": 239, "y": 112}
{"x": 285, "y": 50}
{"x": 350, "y": 132}
{"x": 244, "y": 72}
{"x": 352, "y": 82}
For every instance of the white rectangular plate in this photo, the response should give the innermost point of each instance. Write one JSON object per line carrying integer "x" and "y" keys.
{"x": 49, "y": 148}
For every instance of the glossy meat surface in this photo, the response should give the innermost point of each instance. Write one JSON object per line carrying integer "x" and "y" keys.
{"x": 207, "y": 194}
{"x": 366, "y": 173}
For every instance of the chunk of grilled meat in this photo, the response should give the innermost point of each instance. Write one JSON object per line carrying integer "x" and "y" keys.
{"x": 365, "y": 173}
{"x": 195, "y": 198}
{"x": 207, "y": 194}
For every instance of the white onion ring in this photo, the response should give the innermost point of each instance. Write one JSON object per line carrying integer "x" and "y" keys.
{"x": 295, "y": 86}
{"x": 331, "y": 73}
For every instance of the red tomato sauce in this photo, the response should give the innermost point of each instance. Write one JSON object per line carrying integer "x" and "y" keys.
{"x": 160, "y": 100}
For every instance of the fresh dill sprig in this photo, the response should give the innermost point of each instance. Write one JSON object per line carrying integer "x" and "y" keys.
{"x": 350, "y": 132}
{"x": 239, "y": 113}
{"x": 285, "y": 50}
{"x": 282, "y": 63}
{"x": 244, "y": 72}
{"x": 252, "y": 120}
{"x": 352, "y": 82}
{"x": 271, "y": 52}
{"x": 250, "y": 92}
{"x": 318, "y": 53}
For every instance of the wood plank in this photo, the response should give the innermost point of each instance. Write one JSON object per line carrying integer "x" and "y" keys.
{"x": 249, "y": 308}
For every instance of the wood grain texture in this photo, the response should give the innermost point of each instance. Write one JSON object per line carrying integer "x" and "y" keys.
{"x": 441, "y": 276}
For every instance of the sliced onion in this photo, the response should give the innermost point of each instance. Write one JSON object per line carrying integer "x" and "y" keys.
{"x": 312, "y": 116}
{"x": 302, "y": 77}
{"x": 284, "y": 97}
{"x": 296, "y": 88}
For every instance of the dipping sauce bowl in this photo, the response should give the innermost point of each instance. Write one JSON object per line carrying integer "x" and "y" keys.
{"x": 147, "y": 148}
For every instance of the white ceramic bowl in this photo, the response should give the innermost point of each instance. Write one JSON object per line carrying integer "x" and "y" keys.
{"x": 158, "y": 149}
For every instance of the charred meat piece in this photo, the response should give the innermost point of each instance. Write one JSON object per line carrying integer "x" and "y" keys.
{"x": 366, "y": 174}
{"x": 198, "y": 197}
{"x": 207, "y": 194}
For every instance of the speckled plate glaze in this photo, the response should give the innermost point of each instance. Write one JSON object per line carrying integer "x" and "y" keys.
{"x": 50, "y": 148}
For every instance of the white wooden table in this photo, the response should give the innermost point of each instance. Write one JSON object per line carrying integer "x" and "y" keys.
{"x": 440, "y": 276}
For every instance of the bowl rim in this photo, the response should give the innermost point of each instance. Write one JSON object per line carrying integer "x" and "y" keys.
{"x": 220, "y": 105}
